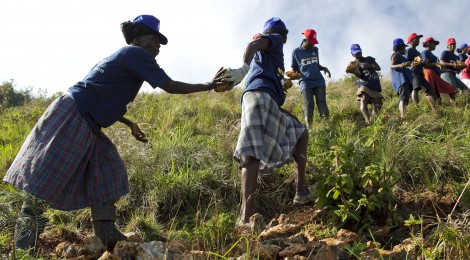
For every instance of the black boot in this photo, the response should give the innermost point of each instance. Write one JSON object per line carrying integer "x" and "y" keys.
{"x": 103, "y": 219}
{"x": 30, "y": 223}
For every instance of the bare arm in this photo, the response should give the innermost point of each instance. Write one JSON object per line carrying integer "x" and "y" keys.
{"x": 259, "y": 44}
{"x": 177, "y": 87}
{"x": 135, "y": 130}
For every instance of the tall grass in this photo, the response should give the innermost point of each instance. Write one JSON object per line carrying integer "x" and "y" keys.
{"x": 185, "y": 183}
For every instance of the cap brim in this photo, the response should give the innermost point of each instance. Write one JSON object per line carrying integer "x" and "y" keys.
{"x": 163, "y": 39}
{"x": 313, "y": 41}
{"x": 356, "y": 52}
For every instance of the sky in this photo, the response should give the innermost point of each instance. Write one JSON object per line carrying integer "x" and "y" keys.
{"x": 49, "y": 45}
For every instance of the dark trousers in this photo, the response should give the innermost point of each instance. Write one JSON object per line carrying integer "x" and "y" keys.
{"x": 320, "y": 98}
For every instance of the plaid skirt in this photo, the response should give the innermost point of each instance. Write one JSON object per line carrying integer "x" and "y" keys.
{"x": 65, "y": 164}
{"x": 266, "y": 133}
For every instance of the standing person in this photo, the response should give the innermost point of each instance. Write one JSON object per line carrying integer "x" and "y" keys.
{"x": 67, "y": 162}
{"x": 449, "y": 66}
{"x": 368, "y": 83}
{"x": 465, "y": 77}
{"x": 402, "y": 79}
{"x": 306, "y": 61}
{"x": 462, "y": 51}
{"x": 269, "y": 136}
{"x": 432, "y": 71}
{"x": 419, "y": 82}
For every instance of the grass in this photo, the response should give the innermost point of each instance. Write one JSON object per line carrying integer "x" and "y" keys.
{"x": 185, "y": 184}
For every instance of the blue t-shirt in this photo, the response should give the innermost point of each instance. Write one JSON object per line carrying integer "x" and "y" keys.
{"x": 411, "y": 54}
{"x": 462, "y": 57}
{"x": 104, "y": 95}
{"x": 431, "y": 58}
{"x": 368, "y": 77}
{"x": 267, "y": 70}
{"x": 448, "y": 56}
{"x": 307, "y": 62}
{"x": 401, "y": 76}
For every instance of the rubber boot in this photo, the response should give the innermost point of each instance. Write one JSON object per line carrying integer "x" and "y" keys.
{"x": 30, "y": 223}
{"x": 103, "y": 218}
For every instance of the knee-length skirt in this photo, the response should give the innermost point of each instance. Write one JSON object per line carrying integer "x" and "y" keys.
{"x": 266, "y": 133}
{"x": 65, "y": 164}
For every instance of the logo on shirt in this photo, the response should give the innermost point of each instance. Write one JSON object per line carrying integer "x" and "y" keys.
{"x": 308, "y": 61}
{"x": 100, "y": 66}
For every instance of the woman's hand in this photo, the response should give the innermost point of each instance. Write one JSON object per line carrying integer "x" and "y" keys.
{"x": 135, "y": 130}
{"x": 137, "y": 133}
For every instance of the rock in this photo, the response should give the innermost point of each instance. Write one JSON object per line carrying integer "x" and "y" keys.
{"x": 281, "y": 230}
{"x": 333, "y": 242}
{"x": 347, "y": 236}
{"x": 261, "y": 251}
{"x": 94, "y": 246}
{"x": 109, "y": 256}
{"x": 293, "y": 250}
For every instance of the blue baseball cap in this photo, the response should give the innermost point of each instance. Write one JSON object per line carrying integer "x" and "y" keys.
{"x": 355, "y": 48}
{"x": 399, "y": 42}
{"x": 152, "y": 22}
{"x": 274, "y": 23}
{"x": 463, "y": 46}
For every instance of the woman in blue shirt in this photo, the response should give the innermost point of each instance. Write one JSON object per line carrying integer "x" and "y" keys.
{"x": 402, "y": 79}
{"x": 432, "y": 70}
{"x": 368, "y": 83}
{"x": 306, "y": 61}
{"x": 67, "y": 162}
{"x": 449, "y": 66}
{"x": 269, "y": 136}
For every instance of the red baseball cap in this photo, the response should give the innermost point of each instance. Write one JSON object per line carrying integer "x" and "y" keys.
{"x": 430, "y": 39}
{"x": 414, "y": 35}
{"x": 451, "y": 41}
{"x": 311, "y": 36}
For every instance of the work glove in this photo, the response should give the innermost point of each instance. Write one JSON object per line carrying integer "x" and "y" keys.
{"x": 236, "y": 75}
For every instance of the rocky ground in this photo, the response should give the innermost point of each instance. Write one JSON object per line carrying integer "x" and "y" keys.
{"x": 282, "y": 237}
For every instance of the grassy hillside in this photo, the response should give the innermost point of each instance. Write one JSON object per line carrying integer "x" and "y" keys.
{"x": 185, "y": 184}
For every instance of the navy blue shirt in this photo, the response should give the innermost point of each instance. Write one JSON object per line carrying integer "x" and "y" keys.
{"x": 104, "y": 95}
{"x": 307, "y": 62}
{"x": 267, "y": 70}
{"x": 400, "y": 76}
{"x": 410, "y": 55}
{"x": 448, "y": 56}
{"x": 368, "y": 77}
{"x": 462, "y": 57}
{"x": 431, "y": 58}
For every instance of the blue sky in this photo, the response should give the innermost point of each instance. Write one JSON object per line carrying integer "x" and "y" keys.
{"x": 51, "y": 44}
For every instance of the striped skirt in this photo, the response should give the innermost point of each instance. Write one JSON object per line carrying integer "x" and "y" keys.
{"x": 65, "y": 164}
{"x": 266, "y": 133}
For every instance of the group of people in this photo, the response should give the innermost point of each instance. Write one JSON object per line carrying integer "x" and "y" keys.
{"x": 68, "y": 163}
{"x": 412, "y": 71}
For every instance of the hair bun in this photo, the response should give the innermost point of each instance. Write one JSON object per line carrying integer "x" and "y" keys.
{"x": 127, "y": 29}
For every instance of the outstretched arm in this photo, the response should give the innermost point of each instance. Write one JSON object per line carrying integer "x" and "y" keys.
{"x": 177, "y": 87}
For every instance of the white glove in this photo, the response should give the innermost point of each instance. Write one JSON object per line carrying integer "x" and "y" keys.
{"x": 236, "y": 75}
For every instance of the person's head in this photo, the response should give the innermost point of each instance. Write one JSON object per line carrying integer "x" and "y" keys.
{"x": 356, "y": 51}
{"x": 144, "y": 31}
{"x": 463, "y": 48}
{"x": 276, "y": 25}
{"x": 451, "y": 44}
{"x": 413, "y": 39}
{"x": 311, "y": 37}
{"x": 399, "y": 46}
{"x": 430, "y": 43}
